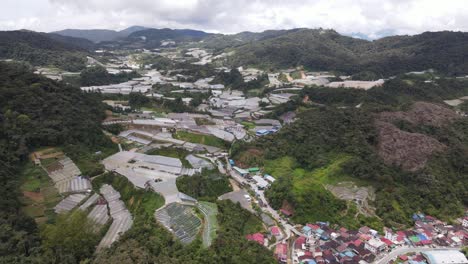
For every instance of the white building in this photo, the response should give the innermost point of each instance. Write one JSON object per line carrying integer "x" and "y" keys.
{"x": 375, "y": 245}
{"x": 465, "y": 221}
{"x": 445, "y": 256}
{"x": 261, "y": 183}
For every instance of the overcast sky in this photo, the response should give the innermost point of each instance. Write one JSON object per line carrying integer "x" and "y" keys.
{"x": 373, "y": 18}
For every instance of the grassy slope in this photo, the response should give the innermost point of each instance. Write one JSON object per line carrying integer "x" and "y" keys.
{"x": 140, "y": 202}
{"x": 200, "y": 139}
{"x": 42, "y": 196}
{"x": 312, "y": 201}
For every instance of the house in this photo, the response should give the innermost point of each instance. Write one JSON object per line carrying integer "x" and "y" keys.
{"x": 300, "y": 242}
{"x": 364, "y": 230}
{"x": 260, "y": 182}
{"x": 286, "y": 212}
{"x": 281, "y": 252}
{"x": 257, "y": 237}
{"x": 307, "y": 230}
{"x": 269, "y": 178}
{"x": 275, "y": 231}
{"x": 465, "y": 222}
{"x": 375, "y": 245}
{"x": 389, "y": 234}
{"x": 240, "y": 171}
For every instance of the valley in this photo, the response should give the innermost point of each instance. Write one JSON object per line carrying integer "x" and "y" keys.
{"x": 181, "y": 146}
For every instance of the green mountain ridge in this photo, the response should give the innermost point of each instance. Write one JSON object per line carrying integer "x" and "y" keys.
{"x": 327, "y": 50}
{"x": 41, "y": 49}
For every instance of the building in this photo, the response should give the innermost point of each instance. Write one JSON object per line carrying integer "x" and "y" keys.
{"x": 257, "y": 237}
{"x": 375, "y": 245}
{"x": 261, "y": 183}
{"x": 240, "y": 171}
{"x": 465, "y": 221}
{"x": 281, "y": 252}
{"x": 444, "y": 256}
{"x": 275, "y": 231}
{"x": 269, "y": 178}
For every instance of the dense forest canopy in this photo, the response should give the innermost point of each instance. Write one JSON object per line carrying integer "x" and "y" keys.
{"x": 326, "y": 50}
{"x": 34, "y": 112}
{"x": 42, "y": 50}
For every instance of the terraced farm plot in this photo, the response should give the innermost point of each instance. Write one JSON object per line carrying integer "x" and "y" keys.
{"x": 180, "y": 220}
{"x": 39, "y": 194}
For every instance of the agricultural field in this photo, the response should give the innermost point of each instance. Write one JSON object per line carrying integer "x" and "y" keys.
{"x": 140, "y": 203}
{"x": 181, "y": 220}
{"x": 210, "y": 227}
{"x": 39, "y": 194}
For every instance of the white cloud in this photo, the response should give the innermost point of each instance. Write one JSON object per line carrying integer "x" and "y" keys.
{"x": 370, "y": 17}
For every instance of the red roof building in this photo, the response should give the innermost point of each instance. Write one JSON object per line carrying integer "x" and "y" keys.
{"x": 286, "y": 212}
{"x": 257, "y": 237}
{"x": 275, "y": 231}
{"x": 299, "y": 242}
{"x": 281, "y": 252}
{"x": 386, "y": 241}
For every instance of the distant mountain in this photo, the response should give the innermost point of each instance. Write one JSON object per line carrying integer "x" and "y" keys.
{"x": 99, "y": 35}
{"x": 221, "y": 41}
{"x": 78, "y": 42}
{"x": 151, "y": 38}
{"x": 43, "y": 49}
{"x": 318, "y": 49}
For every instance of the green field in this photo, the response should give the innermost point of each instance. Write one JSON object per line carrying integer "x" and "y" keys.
{"x": 200, "y": 139}
{"x": 307, "y": 194}
{"x": 248, "y": 125}
{"x": 141, "y": 203}
{"x": 87, "y": 160}
{"x": 39, "y": 194}
{"x": 210, "y": 211}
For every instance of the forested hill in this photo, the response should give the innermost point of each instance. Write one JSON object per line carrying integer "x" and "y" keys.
{"x": 412, "y": 152}
{"x": 98, "y": 35}
{"x": 34, "y": 112}
{"x": 152, "y": 38}
{"x": 318, "y": 49}
{"x": 40, "y": 49}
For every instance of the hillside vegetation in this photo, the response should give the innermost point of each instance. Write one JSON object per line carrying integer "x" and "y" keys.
{"x": 418, "y": 165}
{"x": 326, "y": 50}
{"x": 36, "y": 112}
{"x": 41, "y": 50}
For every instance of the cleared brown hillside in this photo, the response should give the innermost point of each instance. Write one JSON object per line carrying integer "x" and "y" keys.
{"x": 422, "y": 113}
{"x": 407, "y": 150}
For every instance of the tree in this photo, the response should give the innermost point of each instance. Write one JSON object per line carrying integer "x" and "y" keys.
{"x": 71, "y": 239}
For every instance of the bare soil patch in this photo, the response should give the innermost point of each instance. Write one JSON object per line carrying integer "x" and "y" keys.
{"x": 34, "y": 196}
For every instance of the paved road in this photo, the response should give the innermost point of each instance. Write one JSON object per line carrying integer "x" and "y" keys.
{"x": 404, "y": 250}
{"x": 285, "y": 226}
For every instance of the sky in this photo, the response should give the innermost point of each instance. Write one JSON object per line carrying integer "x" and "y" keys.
{"x": 369, "y": 18}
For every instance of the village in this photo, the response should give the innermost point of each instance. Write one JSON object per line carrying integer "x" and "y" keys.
{"x": 205, "y": 135}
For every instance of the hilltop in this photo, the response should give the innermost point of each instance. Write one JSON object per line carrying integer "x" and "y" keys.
{"x": 99, "y": 35}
